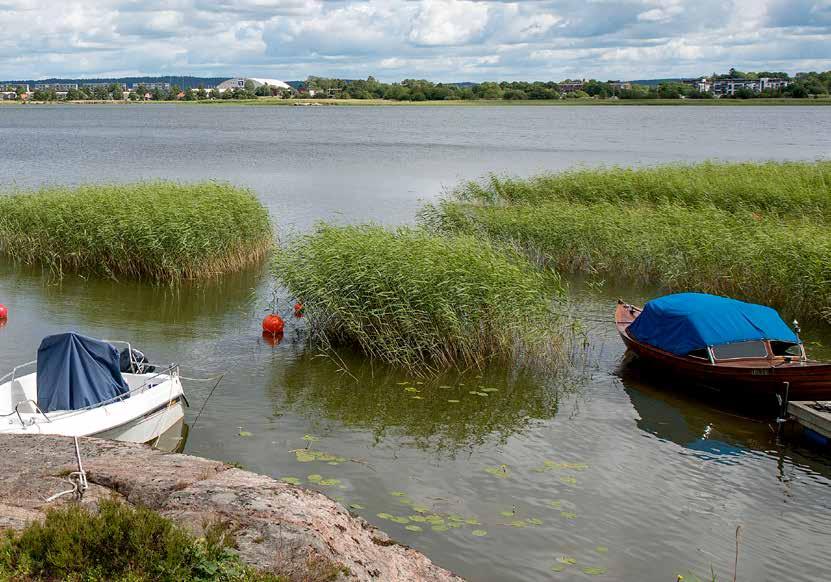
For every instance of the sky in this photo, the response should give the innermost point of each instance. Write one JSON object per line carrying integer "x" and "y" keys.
{"x": 441, "y": 40}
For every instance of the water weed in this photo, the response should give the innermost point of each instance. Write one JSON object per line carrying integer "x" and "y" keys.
{"x": 161, "y": 231}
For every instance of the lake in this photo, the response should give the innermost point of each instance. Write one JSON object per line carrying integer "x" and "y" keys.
{"x": 622, "y": 475}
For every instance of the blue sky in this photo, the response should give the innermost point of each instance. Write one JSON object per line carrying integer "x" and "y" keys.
{"x": 445, "y": 40}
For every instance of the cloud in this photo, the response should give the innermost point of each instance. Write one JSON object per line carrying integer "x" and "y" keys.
{"x": 447, "y": 40}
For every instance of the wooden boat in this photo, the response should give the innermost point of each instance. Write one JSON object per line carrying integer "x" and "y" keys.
{"x": 721, "y": 343}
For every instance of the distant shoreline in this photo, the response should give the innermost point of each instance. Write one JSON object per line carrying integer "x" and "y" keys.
{"x": 273, "y": 102}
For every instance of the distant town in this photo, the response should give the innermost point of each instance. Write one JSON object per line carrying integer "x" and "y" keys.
{"x": 732, "y": 85}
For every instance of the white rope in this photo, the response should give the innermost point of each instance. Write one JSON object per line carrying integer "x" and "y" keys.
{"x": 78, "y": 479}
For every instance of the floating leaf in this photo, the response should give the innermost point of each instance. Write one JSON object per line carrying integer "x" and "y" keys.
{"x": 385, "y": 516}
{"x": 435, "y": 519}
{"x": 485, "y": 394}
{"x": 417, "y": 397}
{"x": 555, "y": 504}
{"x": 329, "y": 482}
{"x": 568, "y": 515}
{"x": 421, "y": 508}
{"x": 479, "y": 533}
{"x": 244, "y": 433}
{"x": 410, "y": 389}
{"x": 310, "y": 438}
{"x": 398, "y": 494}
{"x": 518, "y": 523}
{"x": 291, "y": 480}
{"x": 439, "y": 527}
{"x": 314, "y": 478}
{"x": 454, "y": 401}
{"x": 402, "y": 383}
{"x": 455, "y": 517}
{"x": 405, "y": 501}
{"x": 602, "y": 550}
{"x": 534, "y": 521}
{"x": 594, "y": 571}
{"x": 490, "y": 389}
{"x": 418, "y": 518}
{"x": 507, "y": 513}
{"x": 454, "y": 525}
{"x": 558, "y": 567}
{"x": 501, "y": 471}
{"x": 568, "y": 480}
{"x": 567, "y": 560}
{"x": 400, "y": 519}
{"x": 356, "y": 506}
{"x": 474, "y": 392}
{"x": 414, "y": 528}
{"x": 472, "y": 521}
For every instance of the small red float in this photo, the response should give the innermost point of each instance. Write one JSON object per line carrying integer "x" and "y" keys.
{"x": 298, "y": 310}
{"x": 273, "y": 324}
{"x": 4, "y": 311}
{"x": 272, "y": 339}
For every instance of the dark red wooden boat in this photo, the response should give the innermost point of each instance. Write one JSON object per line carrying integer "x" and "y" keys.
{"x": 767, "y": 364}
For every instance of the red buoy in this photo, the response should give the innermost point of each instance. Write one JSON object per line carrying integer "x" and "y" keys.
{"x": 273, "y": 324}
{"x": 4, "y": 311}
{"x": 298, "y": 310}
{"x": 272, "y": 339}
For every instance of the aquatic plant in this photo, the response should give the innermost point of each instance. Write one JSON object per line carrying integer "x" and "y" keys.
{"x": 422, "y": 301}
{"x": 162, "y": 231}
{"x": 787, "y": 189}
{"x": 119, "y": 542}
{"x": 784, "y": 262}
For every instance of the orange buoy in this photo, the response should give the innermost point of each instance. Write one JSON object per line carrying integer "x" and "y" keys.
{"x": 298, "y": 310}
{"x": 4, "y": 311}
{"x": 273, "y": 324}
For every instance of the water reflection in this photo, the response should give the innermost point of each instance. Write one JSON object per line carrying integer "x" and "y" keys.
{"x": 445, "y": 414}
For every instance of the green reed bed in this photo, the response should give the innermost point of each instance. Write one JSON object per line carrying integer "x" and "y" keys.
{"x": 162, "y": 231}
{"x": 785, "y": 189}
{"x": 786, "y": 263}
{"x": 421, "y": 301}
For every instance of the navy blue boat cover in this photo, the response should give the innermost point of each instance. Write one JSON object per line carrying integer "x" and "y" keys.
{"x": 75, "y": 371}
{"x": 685, "y": 322}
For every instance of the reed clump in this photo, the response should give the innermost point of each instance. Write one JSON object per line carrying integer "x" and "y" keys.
{"x": 161, "y": 231}
{"x": 781, "y": 188}
{"x": 424, "y": 302}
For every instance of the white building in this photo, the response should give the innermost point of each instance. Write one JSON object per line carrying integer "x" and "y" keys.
{"x": 239, "y": 83}
{"x": 730, "y": 86}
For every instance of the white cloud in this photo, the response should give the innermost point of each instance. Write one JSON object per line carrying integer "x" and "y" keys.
{"x": 438, "y": 39}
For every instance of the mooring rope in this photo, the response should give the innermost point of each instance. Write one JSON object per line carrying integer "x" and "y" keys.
{"x": 78, "y": 478}
{"x": 211, "y": 393}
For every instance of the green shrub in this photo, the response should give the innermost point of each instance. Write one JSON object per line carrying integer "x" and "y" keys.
{"x": 786, "y": 263}
{"x": 785, "y": 189}
{"x": 119, "y": 543}
{"x": 162, "y": 231}
{"x": 421, "y": 301}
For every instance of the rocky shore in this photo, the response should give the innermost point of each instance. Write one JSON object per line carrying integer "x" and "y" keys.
{"x": 299, "y": 533}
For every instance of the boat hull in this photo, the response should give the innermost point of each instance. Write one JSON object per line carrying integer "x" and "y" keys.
{"x": 148, "y": 427}
{"x": 790, "y": 381}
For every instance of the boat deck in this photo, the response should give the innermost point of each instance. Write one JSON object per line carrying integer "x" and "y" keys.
{"x": 815, "y": 420}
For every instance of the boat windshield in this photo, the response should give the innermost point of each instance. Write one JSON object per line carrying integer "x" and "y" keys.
{"x": 753, "y": 349}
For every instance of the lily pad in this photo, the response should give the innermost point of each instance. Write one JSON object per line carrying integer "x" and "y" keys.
{"x": 485, "y": 394}
{"x": 455, "y": 517}
{"x": 398, "y": 494}
{"x": 454, "y": 525}
{"x": 385, "y": 516}
{"x": 518, "y": 523}
{"x": 568, "y": 480}
{"x": 534, "y": 521}
{"x": 501, "y": 471}
{"x": 601, "y": 550}
{"x": 418, "y": 518}
{"x": 291, "y": 480}
{"x": 473, "y": 392}
{"x": 421, "y": 508}
{"x": 314, "y": 478}
{"x": 356, "y": 506}
{"x": 479, "y": 533}
{"x": 558, "y": 567}
{"x": 454, "y": 401}
{"x": 414, "y": 528}
{"x": 436, "y": 519}
{"x": 594, "y": 570}
{"x": 244, "y": 433}
{"x": 568, "y": 514}
{"x": 410, "y": 389}
{"x": 507, "y": 513}
{"x": 329, "y": 482}
{"x": 472, "y": 521}
{"x": 555, "y": 504}
{"x": 310, "y": 438}
{"x": 400, "y": 519}
{"x": 567, "y": 560}
{"x": 439, "y": 527}
{"x": 417, "y": 397}
{"x": 490, "y": 389}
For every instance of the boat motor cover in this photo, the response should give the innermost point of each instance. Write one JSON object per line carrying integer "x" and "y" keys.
{"x": 74, "y": 372}
{"x": 685, "y": 322}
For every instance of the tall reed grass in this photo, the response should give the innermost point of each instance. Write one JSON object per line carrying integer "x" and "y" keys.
{"x": 421, "y": 301}
{"x": 784, "y": 189}
{"x": 162, "y": 231}
{"x": 783, "y": 263}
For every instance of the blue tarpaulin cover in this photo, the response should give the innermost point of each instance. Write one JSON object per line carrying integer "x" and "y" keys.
{"x": 685, "y": 322}
{"x": 75, "y": 371}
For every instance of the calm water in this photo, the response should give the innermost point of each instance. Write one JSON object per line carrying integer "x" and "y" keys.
{"x": 641, "y": 482}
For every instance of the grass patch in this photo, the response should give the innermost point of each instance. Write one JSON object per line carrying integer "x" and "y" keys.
{"x": 667, "y": 226}
{"x": 119, "y": 543}
{"x": 421, "y": 301}
{"x": 162, "y": 231}
{"x": 785, "y": 189}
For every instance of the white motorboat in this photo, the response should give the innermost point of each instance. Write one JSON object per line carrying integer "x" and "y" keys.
{"x": 85, "y": 387}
